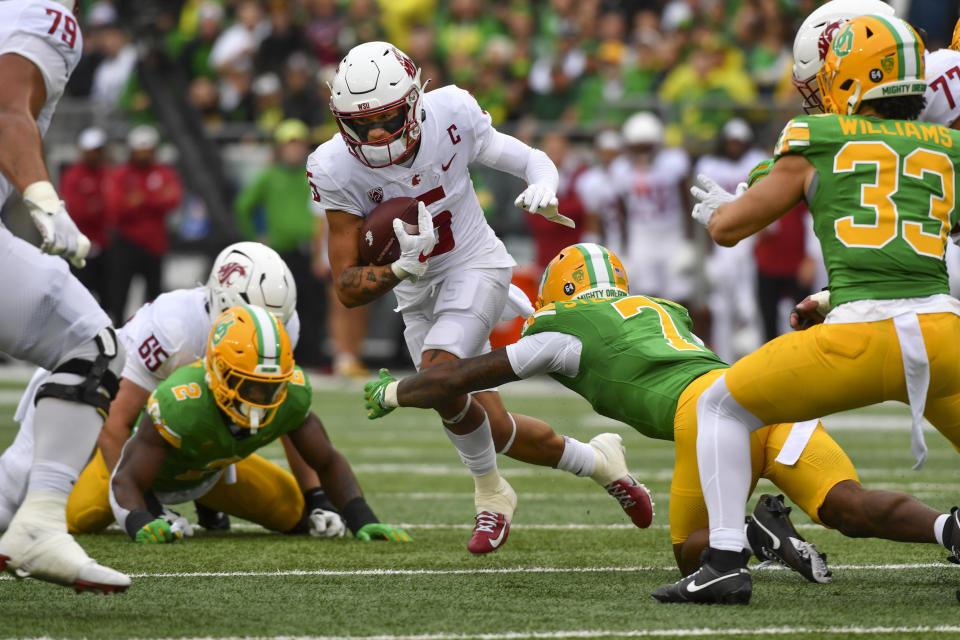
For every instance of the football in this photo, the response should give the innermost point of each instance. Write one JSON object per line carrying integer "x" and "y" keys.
{"x": 378, "y": 242}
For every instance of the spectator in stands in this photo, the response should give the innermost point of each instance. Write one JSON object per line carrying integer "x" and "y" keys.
{"x": 194, "y": 57}
{"x": 549, "y": 237}
{"x": 553, "y": 77}
{"x": 236, "y": 46}
{"x": 82, "y": 187}
{"x": 119, "y": 60}
{"x": 323, "y": 30}
{"x": 140, "y": 194}
{"x": 301, "y": 99}
{"x": 289, "y": 224}
{"x": 268, "y": 95}
{"x": 784, "y": 270}
{"x": 285, "y": 39}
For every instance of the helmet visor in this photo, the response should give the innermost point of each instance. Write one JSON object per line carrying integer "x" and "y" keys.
{"x": 257, "y": 391}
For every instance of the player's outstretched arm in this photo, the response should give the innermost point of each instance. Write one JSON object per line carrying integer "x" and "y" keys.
{"x": 355, "y": 284}
{"x": 439, "y": 384}
{"x": 123, "y": 414}
{"x": 341, "y": 486}
{"x": 764, "y": 202}
{"x": 139, "y": 464}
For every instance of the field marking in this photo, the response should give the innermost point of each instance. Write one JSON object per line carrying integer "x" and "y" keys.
{"x": 612, "y": 633}
{"x": 477, "y": 571}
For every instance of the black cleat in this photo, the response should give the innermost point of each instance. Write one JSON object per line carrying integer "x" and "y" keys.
{"x": 212, "y": 520}
{"x": 773, "y": 538}
{"x": 709, "y": 585}
{"x": 951, "y": 537}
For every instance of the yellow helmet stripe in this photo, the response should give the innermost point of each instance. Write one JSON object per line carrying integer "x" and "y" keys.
{"x": 268, "y": 337}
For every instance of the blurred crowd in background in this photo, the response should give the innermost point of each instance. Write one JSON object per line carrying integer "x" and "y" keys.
{"x": 630, "y": 99}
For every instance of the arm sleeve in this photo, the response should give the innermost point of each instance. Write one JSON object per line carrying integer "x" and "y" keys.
{"x": 546, "y": 352}
{"x": 510, "y": 155}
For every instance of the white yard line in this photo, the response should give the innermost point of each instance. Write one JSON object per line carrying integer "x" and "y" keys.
{"x": 477, "y": 571}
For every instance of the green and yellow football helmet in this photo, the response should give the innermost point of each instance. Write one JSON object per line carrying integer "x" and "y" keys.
{"x": 249, "y": 362}
{"x": 871, "y": 57}
{"x": 955, "y": 42}
{"x": 584, "y": 270}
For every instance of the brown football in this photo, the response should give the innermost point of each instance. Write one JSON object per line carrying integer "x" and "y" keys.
{"x": 378, "y": 242}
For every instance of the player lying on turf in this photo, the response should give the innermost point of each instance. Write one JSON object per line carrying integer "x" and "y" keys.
{"x": 635, "y": 360}
{"x": 163, "y": 335}
{"x": 213, "y": 414}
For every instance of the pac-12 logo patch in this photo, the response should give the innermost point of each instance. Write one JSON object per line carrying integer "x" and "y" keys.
{"x": 376, "y": 194}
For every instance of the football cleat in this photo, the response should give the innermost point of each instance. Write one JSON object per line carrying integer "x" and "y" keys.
{"x": 952, "y": 538}
{"x": 38, "y": 546}
{"x": 489, "y": 533}
{"x": 709, "y": 585}
{"x": 774, "y": 539}
{"x": 494, "y": 513}
{"x": 211, "y": 520}
{"x": 610, "y": 471}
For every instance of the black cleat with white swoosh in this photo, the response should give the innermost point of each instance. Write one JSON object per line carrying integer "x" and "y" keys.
{"x": 710, "y": 585}
{"x": 773, "y": 538}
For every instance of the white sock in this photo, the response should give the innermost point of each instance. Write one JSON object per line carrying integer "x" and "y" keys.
{"x": 723, "y": 454}
{"x": 52, "y": 476}
{"x": 938, "y": 526}
{"x": 476, "y": 448}
{"x": 578, "y": 457}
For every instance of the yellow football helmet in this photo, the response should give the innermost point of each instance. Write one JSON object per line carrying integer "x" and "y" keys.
{"x": 249, "y": 363}
{"x": 871, "y": 57}
{"x": 955, "y": 43}
{"x": 584, "y": 270}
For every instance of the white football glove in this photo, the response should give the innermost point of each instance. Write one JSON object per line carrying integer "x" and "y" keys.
{"x": 539, "y": 198}
{"x": 711, "y": 196}
{"x": 414, "y": 249}
{"x": 58, "y": 231}
{"x": 326, "y": 524}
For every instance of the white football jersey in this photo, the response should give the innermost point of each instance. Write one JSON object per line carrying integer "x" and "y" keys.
{"x": 47, "y": 34}
{"x": 171, "y": 332}
{"x": 600, "y": 198}
{"x": 943, "y": 87}
{"x": 652, "y": 194}
{"x": 729, "y": 173}
{"x": 456, "y": 129}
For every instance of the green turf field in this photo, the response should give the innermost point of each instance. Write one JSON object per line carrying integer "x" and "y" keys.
{"x": 573, "y": 566}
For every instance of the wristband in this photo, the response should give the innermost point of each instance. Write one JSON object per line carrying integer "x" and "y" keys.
{"x": 136, "y": 520}
{"x": 390, "y": 394}
{"x": 43, "y": 195}
{"x": 316, "y": 498}
{"x": 357, "y": 513}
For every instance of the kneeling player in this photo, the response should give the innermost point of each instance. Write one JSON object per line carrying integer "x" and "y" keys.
{"x": 211, "y": 415}
{"x": 636, "y": 360}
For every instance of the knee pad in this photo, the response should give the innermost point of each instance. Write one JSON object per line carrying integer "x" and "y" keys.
{"x": 98, "y": 364}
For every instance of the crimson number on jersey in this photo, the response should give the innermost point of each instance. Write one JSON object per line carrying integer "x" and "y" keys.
{"x": 69, "y": 35}
{"x": 441, "y": 223}
{"x": 152, "y": 353}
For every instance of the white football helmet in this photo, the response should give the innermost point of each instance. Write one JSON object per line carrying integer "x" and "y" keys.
{"x": 251, "y": 273}
{"x": 376, "y": 78}
{"x": 643, "y": 128}
{"x": 814, "y": 37}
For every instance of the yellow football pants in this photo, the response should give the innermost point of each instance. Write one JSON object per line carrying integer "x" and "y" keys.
{"x": 821, "y": 465}
{"x": 836, "y": 367}
{"x": 263, "y": 493}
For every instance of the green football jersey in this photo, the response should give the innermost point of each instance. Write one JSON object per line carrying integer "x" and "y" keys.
{"x": 884, "y": 202}
{"x": 201, "y": 436}
{"x": 638, "y": 356}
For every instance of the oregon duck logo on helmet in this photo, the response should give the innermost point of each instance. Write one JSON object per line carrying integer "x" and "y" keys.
{"x": 584, "y": 270}
{"x": 851, "y": 74}
{"x": 249, "y": 362}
